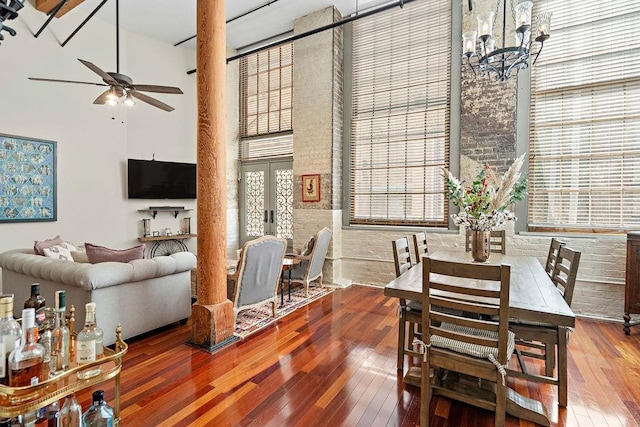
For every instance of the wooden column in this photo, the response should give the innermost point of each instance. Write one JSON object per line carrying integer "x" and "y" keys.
{"x": 212, "y": 315}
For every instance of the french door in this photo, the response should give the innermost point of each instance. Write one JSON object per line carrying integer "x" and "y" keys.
{"x": 266, "y": 200}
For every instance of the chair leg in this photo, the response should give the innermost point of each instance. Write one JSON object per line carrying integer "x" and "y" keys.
{"x": 426, "y": 391}
{"x": 501, "y": 403}
{"x": 401, "y": 337}
{"x": 412, "y": 335}
{"x": 549, "y": 358}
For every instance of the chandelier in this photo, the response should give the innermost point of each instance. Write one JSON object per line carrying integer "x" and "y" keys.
{"x": 500, "y": 64}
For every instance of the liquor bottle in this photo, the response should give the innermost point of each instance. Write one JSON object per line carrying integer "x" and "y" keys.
{"x": 60, "y": 337}
{"x": 70, "y": 413}
{"x": 10, "y": 334}
{"x": 26, "y": 362}
{"x": 41, "y": 417}
{"x": 99, "y": 414}
{"x": 89, "y": 343}
{"x": 36, "y": 302}
{"x": 53, "y": 412}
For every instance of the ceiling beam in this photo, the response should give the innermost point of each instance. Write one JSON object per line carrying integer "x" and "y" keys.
{"x": 47, "y": 6}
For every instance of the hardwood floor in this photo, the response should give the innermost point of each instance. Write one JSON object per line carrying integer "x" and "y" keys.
{"x": 333, "y": 363}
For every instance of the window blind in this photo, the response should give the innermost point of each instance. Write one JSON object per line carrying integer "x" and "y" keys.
{"x": 400, "y": 115}
{"x": 266, "y": 103}
{"x": 585, "y": 118}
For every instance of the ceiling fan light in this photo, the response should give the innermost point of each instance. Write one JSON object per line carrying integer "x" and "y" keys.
{"x": 129, "y": 102}
{"x": 112, "y": 101}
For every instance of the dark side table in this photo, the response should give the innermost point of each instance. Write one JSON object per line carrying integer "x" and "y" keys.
{"x": 288, "y": 264}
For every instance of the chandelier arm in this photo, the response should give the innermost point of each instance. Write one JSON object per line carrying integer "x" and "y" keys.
{"x": 471, "y": 65}
{"x": 538, "y": 53}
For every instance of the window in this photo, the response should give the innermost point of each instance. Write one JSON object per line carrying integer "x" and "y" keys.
{"x": 266, "y": 103}
{"x": 401, "y": 63}
{"x": 585, "y": 119}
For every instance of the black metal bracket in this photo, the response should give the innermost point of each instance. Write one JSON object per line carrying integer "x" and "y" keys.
{"x": 388, "y": 6}
{"x": 84, "y": 22}
{"x": 231, "y": 20}
{"x": 51, "y": 14}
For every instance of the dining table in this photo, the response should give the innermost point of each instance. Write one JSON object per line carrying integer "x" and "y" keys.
{"x": 533, "y": 297}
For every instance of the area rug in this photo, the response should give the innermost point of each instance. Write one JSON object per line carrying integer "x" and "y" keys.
{"x": 252, "y": 320}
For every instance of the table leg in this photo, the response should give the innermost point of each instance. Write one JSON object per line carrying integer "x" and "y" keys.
{"x": 562, "y": 366}
{"x": 282, "y": 289}
{"x": 289, "y": 300}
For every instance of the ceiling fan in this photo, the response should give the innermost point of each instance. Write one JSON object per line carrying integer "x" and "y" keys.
{"x": 121, "y": 86}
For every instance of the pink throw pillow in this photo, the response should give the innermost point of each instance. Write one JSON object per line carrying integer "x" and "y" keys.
{"x": 39, "y": 246}
{"x": 98, "y": 254}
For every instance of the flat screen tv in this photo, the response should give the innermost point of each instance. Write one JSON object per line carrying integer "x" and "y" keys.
{"x": 152, "y": 179}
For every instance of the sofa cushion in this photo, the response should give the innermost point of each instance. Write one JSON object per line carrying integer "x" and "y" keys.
{"x": 38, "y": 246}
{"x": 98, "y": 254}
{"x": 80, "y": 256}
{"x": 58, "y": 252}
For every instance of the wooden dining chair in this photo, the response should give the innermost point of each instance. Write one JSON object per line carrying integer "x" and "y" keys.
{"x": 552, "y": 255}
{"x": 545, "y": 337}
{"x": 498, "y": 241}
{"x": 410, "y": 311}
{"x": 478, "y": 347}
{"x": 420, "y": 245}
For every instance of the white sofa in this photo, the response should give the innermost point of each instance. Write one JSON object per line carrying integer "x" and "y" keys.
{"x": 141, "y": 295}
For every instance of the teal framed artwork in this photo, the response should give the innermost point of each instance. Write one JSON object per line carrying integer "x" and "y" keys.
{"x": 27, "y": 179}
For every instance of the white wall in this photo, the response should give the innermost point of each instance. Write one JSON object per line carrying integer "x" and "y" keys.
{"x": 92, "y": 148}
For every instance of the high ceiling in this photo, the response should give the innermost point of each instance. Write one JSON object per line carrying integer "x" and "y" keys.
{"x": 173, "y": 21}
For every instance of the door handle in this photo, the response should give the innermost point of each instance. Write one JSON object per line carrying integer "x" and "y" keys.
{"x": 271, "y": 217}
{"x": 266, "y": 219}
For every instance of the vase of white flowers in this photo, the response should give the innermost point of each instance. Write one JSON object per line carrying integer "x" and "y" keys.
{"x": 484, "y": 204}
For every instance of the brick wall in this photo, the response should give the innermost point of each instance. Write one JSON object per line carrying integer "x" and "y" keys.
{"x": 488, "y": 116}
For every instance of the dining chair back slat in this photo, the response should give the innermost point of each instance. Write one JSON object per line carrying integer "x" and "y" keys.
{"x": 565, "y": 272}
{"x": 420, "y": 245}
{"x": 552, "y": 256}
{"x": 401, "y": 255}
{"x": 497, "y": 241}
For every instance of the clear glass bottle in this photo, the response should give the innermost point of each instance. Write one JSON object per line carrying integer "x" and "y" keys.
{"x": 45, "y": 336}
{"x": 26, "y": 363}
{"x": 10, "y": 333}
{"x": 89, "y": 346}
{"x": 70, "y": 413}
{"x": 38, "y": 303}
{"x": 60, "y": 337}
{"x": 99, "y": 414}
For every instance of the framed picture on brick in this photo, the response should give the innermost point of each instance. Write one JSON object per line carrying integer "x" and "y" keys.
{"x": 311, "y": 188}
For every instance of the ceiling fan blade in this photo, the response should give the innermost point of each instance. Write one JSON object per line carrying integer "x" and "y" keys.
{"x": 152, "y": 101}
{"x": 66, "y": 81}
{"x": 102, "y": 99}
{"x": 158, "y": 89}
{"x": 106, "y": 77}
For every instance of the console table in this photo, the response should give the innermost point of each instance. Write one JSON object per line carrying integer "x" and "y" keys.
{"x": 167, "y": 245}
